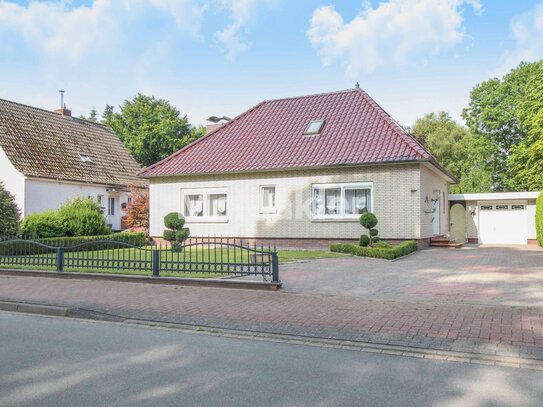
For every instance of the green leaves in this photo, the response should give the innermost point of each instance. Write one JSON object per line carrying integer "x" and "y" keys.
{"x": 150, "y": 128}
{"x": 9, "y": 213}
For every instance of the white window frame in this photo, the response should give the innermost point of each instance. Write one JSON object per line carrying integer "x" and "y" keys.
{"x": 267, "y": 209}
{"x": 205, "y": 192}
{"x": 342, "y": 186}
{"x": 110, "y": 207}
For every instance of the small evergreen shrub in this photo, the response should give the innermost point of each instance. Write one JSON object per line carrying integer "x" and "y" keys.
{"x": 10, "y": 216}
{"x": 364, "y": 240}
{"x": 43, "y": 225}
{"x": 539, "y": 219}
{"x": 369, "y": 221}
{"x": 175, "y": 233}
{"x": 388, "y": 253}
{"x": 382, "y": 245}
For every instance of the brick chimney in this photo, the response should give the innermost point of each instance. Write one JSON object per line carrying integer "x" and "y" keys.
{"x": 62, "y": 109}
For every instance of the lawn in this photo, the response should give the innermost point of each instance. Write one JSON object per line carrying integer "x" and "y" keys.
{"x": 192, "y": 262}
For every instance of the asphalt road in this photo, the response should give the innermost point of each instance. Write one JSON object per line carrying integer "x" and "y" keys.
{"x": 60, "y": 362}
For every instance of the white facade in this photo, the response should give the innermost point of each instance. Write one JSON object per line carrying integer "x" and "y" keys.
{"x": 499, "y": 218}
{"x": 317, "y": 203}
{"x": 34, "y": 195}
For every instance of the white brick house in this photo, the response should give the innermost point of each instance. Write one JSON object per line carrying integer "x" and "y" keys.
{"x": 47, "y": 158}
{"x": 304, "y": 168}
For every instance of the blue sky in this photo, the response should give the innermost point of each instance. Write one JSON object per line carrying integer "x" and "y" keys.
{"x": 220, "y": 57}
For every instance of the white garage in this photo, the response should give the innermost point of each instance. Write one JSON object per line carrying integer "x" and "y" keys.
{"x": 494, "y": 218}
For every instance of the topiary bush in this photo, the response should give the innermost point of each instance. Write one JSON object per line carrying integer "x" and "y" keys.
{"x": 83, "y": 217}
{"x": 175, "y": 233}
{"x": 364, "y": 240}
{"x": 10, "y": 216}
{"x": 369, "y": 221}
{"x": 539, "y": 219}
{"x": 43, "y": 225}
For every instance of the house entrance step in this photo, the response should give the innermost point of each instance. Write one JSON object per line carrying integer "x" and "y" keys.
{"x": 443, "y": 241}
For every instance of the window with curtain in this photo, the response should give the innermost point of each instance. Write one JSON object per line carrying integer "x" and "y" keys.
{"x": 345, "y": 200}
{"x": 267, "y": 199}
{"x": 205, "y": 204}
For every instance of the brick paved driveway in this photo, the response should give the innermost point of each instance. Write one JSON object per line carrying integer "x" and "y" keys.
{"x": 491, "y": 275}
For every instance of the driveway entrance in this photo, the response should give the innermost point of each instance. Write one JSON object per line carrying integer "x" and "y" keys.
{"x": 493, "y": 275}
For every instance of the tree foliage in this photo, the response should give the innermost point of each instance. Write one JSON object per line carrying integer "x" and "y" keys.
{"x": 526, "y": 160}
{"x": 150, "y": 128}
{"x": 463, "y": 155}
{"x": 137, "y": 210}
{"x": 10, "y": 215}
{"x": 494, "y": 115}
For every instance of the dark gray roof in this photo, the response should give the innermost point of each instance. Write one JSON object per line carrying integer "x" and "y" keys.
{"x": 45, "y": 144}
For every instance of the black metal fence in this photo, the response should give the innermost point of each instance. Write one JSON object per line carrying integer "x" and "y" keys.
{"x": 198, "y": 257}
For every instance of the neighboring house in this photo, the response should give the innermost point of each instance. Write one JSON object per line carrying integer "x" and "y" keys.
{"x": 47, "y": 158}
{"x": 304, "y": 168}
{"x": 494, "y": 218}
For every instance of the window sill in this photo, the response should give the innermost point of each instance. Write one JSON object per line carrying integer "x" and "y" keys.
{"x": 336, "y": 220}
{"x": 268, "y": 211}
{"x": 206, "y": 220}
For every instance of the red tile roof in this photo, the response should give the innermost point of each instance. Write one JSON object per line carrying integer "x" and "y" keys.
{"x": 270, "y": 136}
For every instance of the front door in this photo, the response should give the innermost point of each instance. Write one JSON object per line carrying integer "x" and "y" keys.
{"x": 436, "y": 213}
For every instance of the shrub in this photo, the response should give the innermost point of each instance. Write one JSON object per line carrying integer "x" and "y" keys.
{"x": 369, "y": 221}
{"x": 382, "y": 245}
{"x": 364, "y": 240}
{"x": 176, "y": 234}
{"x": 390, "y": 253}
{"x": 83, "y": 217}
{"x": 43, "y": 225}
{"x": 539, "y": 219}
{"x": 10, "y": 216}
{"x": 137, "y": 210}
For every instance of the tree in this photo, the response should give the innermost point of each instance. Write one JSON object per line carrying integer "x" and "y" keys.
{"x": 10, "y": 215}
{"x": 526, "y": 160}
{"x": 137, "y": 210}
{"x": 457, "y": 150}
{"x": 150, "y": 128}
{"x": 92, "y": 117}
{"x": 493, "y": 115}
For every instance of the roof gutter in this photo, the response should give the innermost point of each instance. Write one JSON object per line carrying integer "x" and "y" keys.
{"x": 289, "y": 169}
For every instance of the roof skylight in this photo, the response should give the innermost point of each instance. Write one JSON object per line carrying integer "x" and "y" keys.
{"x": 315, "y": 127}
{"x": 85, "y": 158}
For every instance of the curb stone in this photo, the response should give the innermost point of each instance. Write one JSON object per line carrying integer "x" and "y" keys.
{"x": 356, "y": 346}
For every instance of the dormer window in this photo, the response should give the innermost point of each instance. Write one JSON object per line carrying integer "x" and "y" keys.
{"x": 85, "y": 158}
{"x": 315, "y": 127}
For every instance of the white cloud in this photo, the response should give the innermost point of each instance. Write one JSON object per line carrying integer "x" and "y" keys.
{"x": 60, "y": 28}
{"x": 527, "y": 32}
{"x": 391, "y": 32}
{"x": 242, "y": 15}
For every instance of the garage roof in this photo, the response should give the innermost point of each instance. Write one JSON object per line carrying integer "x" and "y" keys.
{"x": 493, "y": 196}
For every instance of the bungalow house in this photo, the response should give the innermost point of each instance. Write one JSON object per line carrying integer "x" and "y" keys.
{"x": 47, "y": 158}
{"x": 304, "y": 168}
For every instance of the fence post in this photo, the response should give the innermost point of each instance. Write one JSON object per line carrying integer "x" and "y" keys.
{"x": 275, "y": 268}
{"x": 156, "y": 263}
{"x": 60, "y": 259}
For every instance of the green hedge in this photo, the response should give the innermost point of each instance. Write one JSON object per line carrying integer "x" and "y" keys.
{"x": 26, "y": 247}
{"x": 539, "y": 218}
{"x": 391, "y": 253}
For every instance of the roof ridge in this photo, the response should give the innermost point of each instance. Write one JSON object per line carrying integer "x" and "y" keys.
{"x": 313, "y": 95}
{"x": 206, "y": 136}
{"x": 53, "y": 113}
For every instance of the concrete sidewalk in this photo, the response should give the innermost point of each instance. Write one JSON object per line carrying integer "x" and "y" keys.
{"x": 489, "y": 330}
